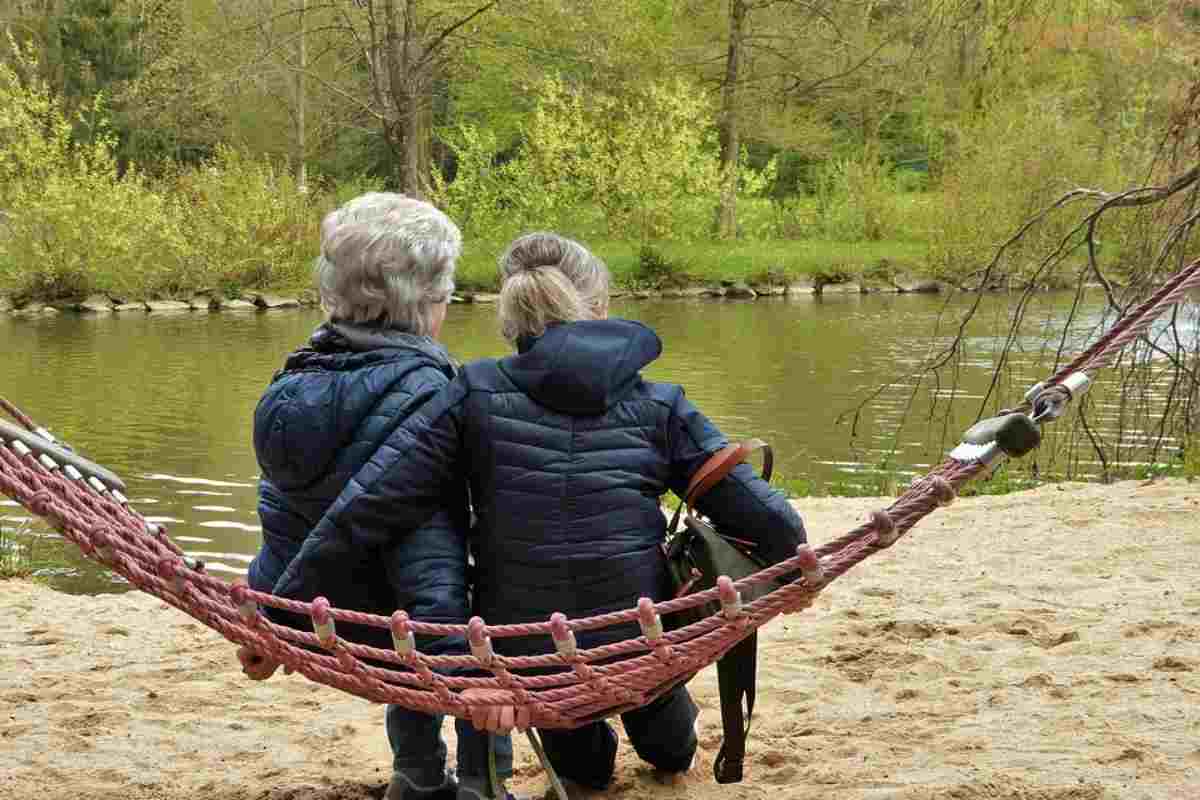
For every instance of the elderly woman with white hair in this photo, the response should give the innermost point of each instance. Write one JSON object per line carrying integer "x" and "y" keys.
{"x": 568, "y": 451}
{"x": 385, "y": 275}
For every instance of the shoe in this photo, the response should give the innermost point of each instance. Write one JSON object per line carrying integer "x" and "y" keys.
{"x": 676, "y": 778}
{"x": 575, "y": 791}
{"x": 680, "y": 777}
{"x": 470, "y": 790}
{"x": 401, "y": 787}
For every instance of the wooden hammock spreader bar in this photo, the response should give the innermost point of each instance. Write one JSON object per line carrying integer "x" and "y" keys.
{"x": 589, "y": 683}
{"x": 54, "y": 455}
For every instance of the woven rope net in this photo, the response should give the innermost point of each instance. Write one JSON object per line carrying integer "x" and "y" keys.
{"x": 562, "y": 688}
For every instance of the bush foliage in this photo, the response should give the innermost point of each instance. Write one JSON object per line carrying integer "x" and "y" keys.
{"x": 75, "y": 223}
{"x": 628, "y": 165}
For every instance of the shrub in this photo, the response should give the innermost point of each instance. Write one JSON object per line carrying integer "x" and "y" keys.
{"x": 654, "y": 268}
{"x": 855, "y": 198}
{"x": 795, "y": 218}
{"x": 74, "y": 225}
{"x": 492, "y": 200}
{"x": 637, "y": 166}
{"x": 646, "y": 159}
{"x": 248, "y": 224}
{"x": 92, "y": 232}
{"x": 1013, "y": 161}
{"x": 911, "y": 180}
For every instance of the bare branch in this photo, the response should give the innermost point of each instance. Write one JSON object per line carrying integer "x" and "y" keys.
{"x": 433, "y": 46}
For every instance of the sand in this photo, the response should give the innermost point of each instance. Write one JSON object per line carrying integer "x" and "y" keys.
{"x": 1039, "y": 646}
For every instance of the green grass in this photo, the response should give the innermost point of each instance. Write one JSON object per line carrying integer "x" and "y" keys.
{"x": 1191, "y": 459}
{"x": 17, "y": 553}
{"x": 712, "y": 262}
{"x": 1009, "y": 478}
{"x": 31, "y": 550}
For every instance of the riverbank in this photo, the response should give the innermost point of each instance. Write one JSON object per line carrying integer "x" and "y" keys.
{"x": 770, "y": 286}
{"x": 1042, "y": 645}
{"x": 741, "y": 269}
{"x": 103, "y": 304}
{"x": 735, "y": 269}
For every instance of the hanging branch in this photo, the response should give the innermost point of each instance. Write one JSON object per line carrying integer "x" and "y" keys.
{"x": 1158, "y": 377}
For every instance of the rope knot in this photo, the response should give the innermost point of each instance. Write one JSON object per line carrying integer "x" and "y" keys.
{"x": 168, "y": 568}
{"x": 885, "y": 528}
{"x": 564, "y": 638}
{"x": 480, "y": 642}
{"x": 102, "y": 540}
{"x": 649, "y": 621}
{"x": 810, "y": 566}
{"x": 323, "y": 624}
{"x": 731, "y": 598}
{"x": 403, "y": 640}
{"x": 942, "y": 490}
{"x": 247, "y": 608}
{"x": 41, "y": 503}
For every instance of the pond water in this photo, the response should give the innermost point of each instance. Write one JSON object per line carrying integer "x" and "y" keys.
{"x": 166, "y": 401}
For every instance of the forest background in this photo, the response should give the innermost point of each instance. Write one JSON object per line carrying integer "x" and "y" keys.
{"x": 156, "y": 148}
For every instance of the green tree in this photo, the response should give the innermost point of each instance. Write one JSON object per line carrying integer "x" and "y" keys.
{"x": 135, "y": 56}
{"x": 645, "y": 159}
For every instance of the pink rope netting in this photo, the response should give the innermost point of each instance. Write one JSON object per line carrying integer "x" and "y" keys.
{"x": 598, "y": 682}
{"x": 562, "y": 688}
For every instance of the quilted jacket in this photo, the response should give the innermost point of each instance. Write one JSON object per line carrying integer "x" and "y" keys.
{"x": 568, "y": 452}
{"x": 324, "y": 415}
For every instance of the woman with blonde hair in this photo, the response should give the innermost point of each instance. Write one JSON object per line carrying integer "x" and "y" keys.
{"x": 568, "y": 452}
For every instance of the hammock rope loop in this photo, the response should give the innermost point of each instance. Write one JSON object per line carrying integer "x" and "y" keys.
{"x": 884, "y": 527}
{"x": 731, "y": 599}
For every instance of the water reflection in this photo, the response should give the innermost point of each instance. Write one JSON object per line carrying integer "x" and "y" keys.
{"x": 167, "y": 402}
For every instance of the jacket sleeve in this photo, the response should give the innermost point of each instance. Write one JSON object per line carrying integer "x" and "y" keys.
{"x": 743, "y": 504}
{"x": 427, "y": 571}
{"x": 414, "y": 475}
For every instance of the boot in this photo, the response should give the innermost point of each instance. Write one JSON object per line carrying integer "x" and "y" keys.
{"x": 478, "y": 789}
{"x": 400, "y": 787}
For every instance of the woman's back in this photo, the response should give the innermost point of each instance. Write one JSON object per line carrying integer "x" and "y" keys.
{"x": 324, "y": 416}
{"x": 327, "y": 411}
{"x": 569, "y": 458}
{"x": 571, "y": 452}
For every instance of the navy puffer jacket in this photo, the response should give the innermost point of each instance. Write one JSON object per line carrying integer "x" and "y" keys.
{"x": 325, "y": 415}
{"x": 568, "y": 452}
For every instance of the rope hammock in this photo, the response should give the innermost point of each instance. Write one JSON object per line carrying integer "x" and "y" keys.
{"x": 565, "y": 686}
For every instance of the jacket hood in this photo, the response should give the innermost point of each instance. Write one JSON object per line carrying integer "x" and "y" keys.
{"x": 317, "y": 405}
{"x": 333, "y": 345}
{"x": 582, "y": 368}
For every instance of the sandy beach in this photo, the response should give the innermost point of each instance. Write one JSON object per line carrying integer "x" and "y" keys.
{"x": 1037, "y": 646}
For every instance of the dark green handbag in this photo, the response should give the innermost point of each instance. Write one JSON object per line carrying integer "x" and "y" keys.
{"x": 696, "y": 556}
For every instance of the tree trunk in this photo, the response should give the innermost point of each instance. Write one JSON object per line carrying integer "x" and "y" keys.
{"x": 407, "y": 93}
{"x": 301, "y": 108}
{"x": 413, "y": 152}
{"x": 406, "y": 51}
{"x": 727, "y": 210}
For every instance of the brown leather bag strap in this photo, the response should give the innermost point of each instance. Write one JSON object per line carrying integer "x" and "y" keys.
{"x": 721, "y": 464}
{"x": 714, "y": 470}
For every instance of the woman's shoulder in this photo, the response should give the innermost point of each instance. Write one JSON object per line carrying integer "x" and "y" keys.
{"x": 314, "y": 366}
{"x": 484, "y": 375}
{"x": 350, "y": 386}
{"x": 661, "y": 392}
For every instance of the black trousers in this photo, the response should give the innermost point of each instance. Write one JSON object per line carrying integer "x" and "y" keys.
{"x": 662, "y": 733}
